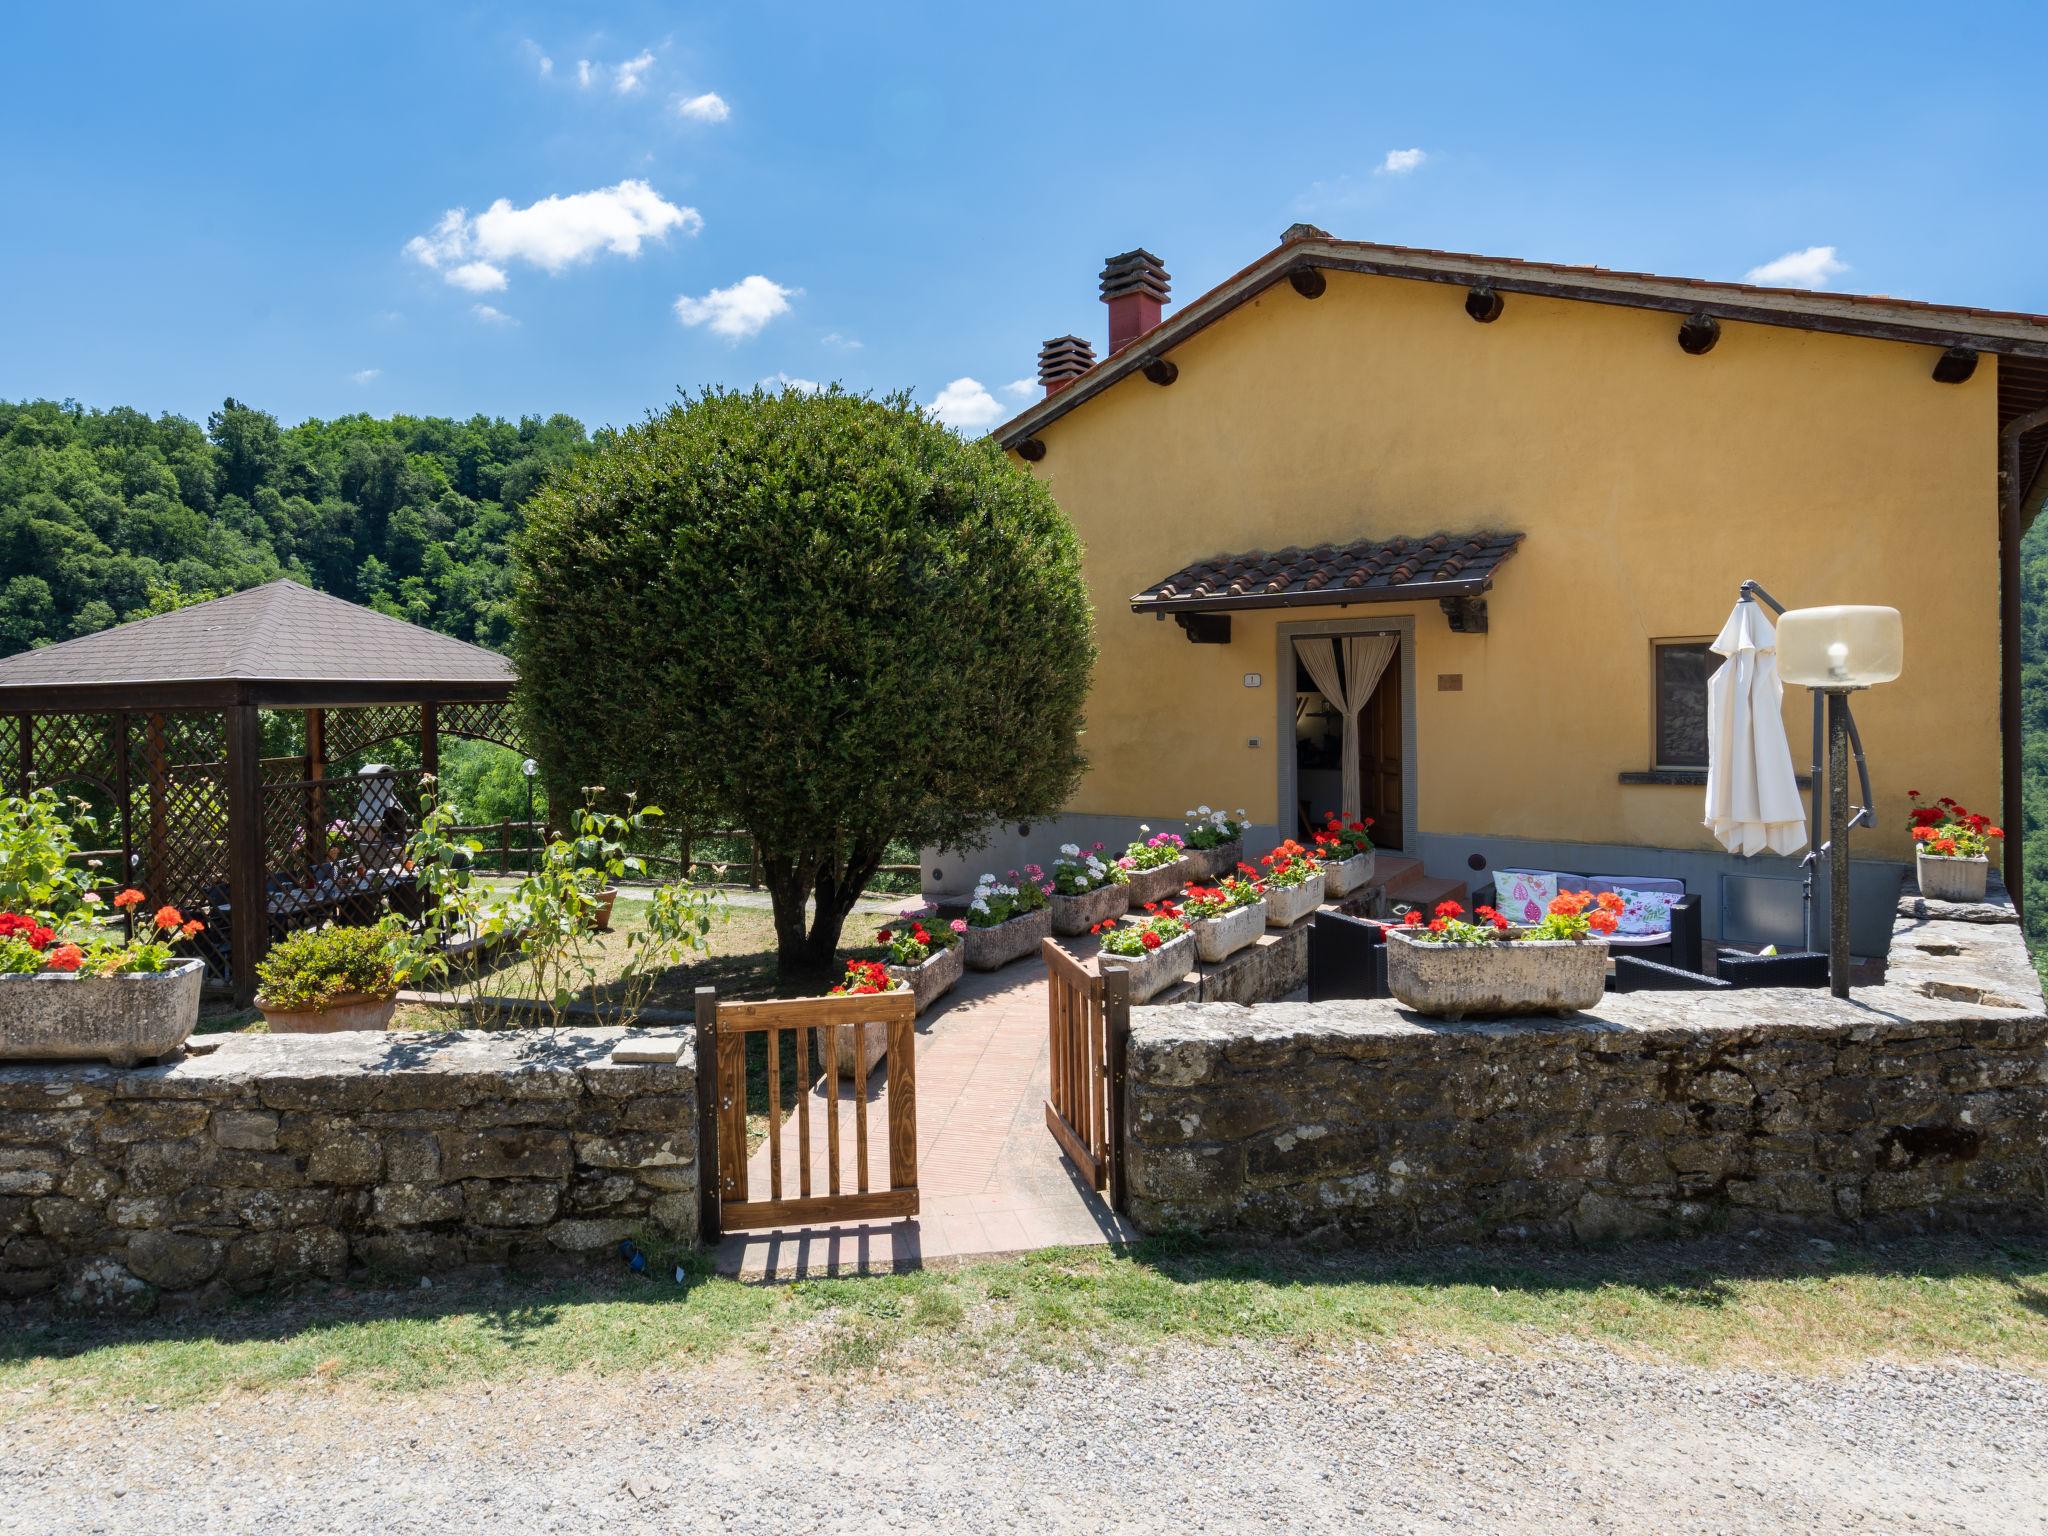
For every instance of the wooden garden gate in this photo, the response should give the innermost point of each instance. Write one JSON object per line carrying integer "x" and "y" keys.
{"x": 1090, "y": 1019}
{"x": 840, "y": 1024}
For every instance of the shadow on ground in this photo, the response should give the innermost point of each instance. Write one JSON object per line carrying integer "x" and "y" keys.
{"x": 511, "y": 1306}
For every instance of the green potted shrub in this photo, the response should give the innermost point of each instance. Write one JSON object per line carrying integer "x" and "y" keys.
{"x": 322, "y": 980}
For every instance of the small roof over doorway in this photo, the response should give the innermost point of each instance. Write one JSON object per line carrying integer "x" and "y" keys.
{"x": 1444, "y": 565}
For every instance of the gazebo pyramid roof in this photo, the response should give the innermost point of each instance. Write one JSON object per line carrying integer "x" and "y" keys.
{"x": 280, "y": 643}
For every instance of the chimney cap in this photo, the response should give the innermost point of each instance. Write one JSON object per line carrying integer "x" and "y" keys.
{"x": 1138, "y": 272}
{"x": 1295, "y": 232}
{"x": 1064, "y": 358}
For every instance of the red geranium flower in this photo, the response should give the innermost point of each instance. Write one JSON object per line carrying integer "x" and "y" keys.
{"x": 128, "y": 898}
{"x": 65, "y": 957}
{"x": 1449, "y": 909}
{"x": 169, "y": 917}
{"x": 1149, "y": 939}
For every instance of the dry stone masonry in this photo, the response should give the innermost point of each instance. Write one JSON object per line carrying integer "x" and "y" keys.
{"x": 1921, "y": 1102}
{"x": 274, "y": 1158}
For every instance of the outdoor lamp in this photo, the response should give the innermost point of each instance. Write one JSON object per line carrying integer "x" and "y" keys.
{"x": 1844, "y": 646}
{"x": 1834, "y": 651}
{"x": 528, "y": 769}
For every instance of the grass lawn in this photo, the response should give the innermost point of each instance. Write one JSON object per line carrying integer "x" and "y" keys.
{"x": 1716, "y": 1303}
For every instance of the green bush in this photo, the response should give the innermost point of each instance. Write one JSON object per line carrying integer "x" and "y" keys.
{"x": 314, "y": 966}
{"x": 823, "y": 619}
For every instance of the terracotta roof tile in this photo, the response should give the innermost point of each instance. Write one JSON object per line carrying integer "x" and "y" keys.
{"x": 1364, "y": 571}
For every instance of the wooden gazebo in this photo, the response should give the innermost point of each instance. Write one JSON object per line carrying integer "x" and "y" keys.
{"x": 215, "y": 740}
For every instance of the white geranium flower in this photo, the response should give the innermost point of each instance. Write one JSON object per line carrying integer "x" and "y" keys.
{"x": 1070, "y": 849}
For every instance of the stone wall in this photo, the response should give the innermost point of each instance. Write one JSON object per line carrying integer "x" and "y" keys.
{"x": 263, "y": 1158}
{"x": 1921, "y": 1102}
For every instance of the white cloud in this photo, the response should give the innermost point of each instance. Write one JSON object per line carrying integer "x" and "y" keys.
{"x": 708, "y": 108}
{"x": 1399, "y": 162}
{"x": 739, "y": 311}
{"x": 552, "y": 234}
{"x": 845, "y": 343}
{"x": 366, "y": 375}
{"x": 478, "y": 277}
{"x": 1810, "y": 268}
{"x": 966, "y": 405}
{"x": 1021, "y": 389}
{"x": 542, "y": 62}
{"x": 584, "y": 73}
{"x": 628, "y": 78}
{"x": 778, "y": 381}
{"x": 491, "y": 316}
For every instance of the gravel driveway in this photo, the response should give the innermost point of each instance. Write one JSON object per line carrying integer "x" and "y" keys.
{"x": 1191, "y": 1440}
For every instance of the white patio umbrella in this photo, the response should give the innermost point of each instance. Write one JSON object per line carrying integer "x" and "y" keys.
{"x": 1753, "y": 803}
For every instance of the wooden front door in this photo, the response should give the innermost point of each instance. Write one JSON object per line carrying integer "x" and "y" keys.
{"x": 1379, "y": 759}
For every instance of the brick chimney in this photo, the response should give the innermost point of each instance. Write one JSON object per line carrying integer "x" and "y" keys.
{"x": 1063, "y": 360}
{"x": 1134, "y": 286}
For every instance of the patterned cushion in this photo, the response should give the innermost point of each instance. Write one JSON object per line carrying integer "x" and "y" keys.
{"x": 1645, "y": 912}
{"x": 1523, "y": 895}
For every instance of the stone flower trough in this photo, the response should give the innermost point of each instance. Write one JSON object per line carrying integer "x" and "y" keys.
{"x": 1156, "y": 969}
{"x": 1288, "y": 905}
{"x": 1450, "y": 981}
{"x": 123, "y": 1020}
{"x": 990, "y": 949}
{"x": 1079, "y": 914}
{"x": 933, "y": 977}
{"x": 1218, "y": 938}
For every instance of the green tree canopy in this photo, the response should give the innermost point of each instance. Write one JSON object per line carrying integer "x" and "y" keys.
{"x": 822, "y": 618}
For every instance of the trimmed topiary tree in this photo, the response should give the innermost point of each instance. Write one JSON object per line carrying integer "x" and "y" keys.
{"x": 822, "y": 618}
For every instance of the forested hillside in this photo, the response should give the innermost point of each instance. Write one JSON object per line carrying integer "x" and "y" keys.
{"x": 108, "y": 515}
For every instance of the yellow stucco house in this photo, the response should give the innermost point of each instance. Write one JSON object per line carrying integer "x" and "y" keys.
{"x": 1538, "y": 489}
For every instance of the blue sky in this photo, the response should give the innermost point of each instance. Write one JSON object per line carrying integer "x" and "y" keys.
{"x": 203, "y": 200}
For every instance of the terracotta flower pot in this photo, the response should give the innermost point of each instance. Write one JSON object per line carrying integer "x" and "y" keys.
{"x": 934, "y": 977}
{"x": 990, "y": 949}
{"x": 1218, "y": 938}
{"x": 1449, "y": 981}
{"x": 354, "y": 1010}
{"x": 1153, "y": 884}
{"x": 117, "y": 1019}
{"x": 1155, "y": 970}
{"x": 1209, "y": 863}
{"x": 1078, "y": 914}
{"x": 1952, "y": 879}
{"x": 1288, "y": 905}
{"x": 601, "y": 914}
{"x": 1347, "y": 875}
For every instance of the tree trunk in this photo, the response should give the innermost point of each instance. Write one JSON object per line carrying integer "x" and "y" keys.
{"x": 807, "y": 954}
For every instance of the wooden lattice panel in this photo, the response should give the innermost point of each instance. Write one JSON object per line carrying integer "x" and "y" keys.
{"x": 482, "y": 720}
{"x": 68, "y": 748}
{"x": 178, "y": 821}
{"x": 352, "y": 731}
{"x": 11, "y": 727}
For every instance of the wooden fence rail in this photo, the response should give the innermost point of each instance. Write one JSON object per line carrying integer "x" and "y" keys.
{"x": 1090, "y": 1022}
{"x": 841, "y": 1023}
